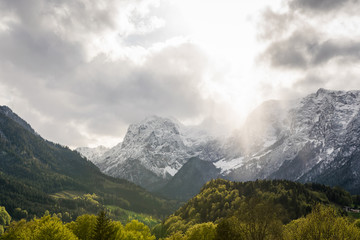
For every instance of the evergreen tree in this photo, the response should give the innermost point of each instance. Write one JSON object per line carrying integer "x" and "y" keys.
{"x": 103, "y": 228}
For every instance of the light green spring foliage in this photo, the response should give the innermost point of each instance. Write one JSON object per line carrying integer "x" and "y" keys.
{"x": 86, "y": 227}
{"x": 261, "y": 221}
{"x": 176, "y": 236}
{"x": 46, "y": 227}
{"x": 19, "y": 230}
{"x": 136, "y": 230}
{"x": 83, "y": 227}
{"x": 322, "y": 224}
{"x": 91, "y": 199}
{"x": 52, "y": 228}
{"x": 203, "y": 231}
{"x": 254, "y": 221}
{"x": 357, "y": 223}
{"x": 4, "y": 219}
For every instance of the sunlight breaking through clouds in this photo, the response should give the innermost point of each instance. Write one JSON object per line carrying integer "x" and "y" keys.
{"x": 101, "y": 65}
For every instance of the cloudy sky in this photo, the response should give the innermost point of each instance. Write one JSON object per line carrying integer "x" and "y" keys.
{"x": 80, "y": 71}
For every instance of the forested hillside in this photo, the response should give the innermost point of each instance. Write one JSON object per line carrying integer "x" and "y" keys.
{"x": 260, "y": 210}
{"x": 37, "y": 175}
{"x": 220, "y": 200}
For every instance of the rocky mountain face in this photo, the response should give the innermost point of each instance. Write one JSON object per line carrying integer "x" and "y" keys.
{"x": 188, "y": 181}
{"x": 313, "y": 139}
{"x": 92, "y": 153}
{"x": 155, "y": 149}
{"x": 316, "y": 138}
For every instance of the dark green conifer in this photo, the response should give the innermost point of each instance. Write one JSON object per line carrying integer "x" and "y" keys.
{"x": 103, "y": 228}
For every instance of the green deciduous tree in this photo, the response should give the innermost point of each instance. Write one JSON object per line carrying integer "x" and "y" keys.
{"x": 83, "y": 227}
{"x": 202, "y": 231}
{"x": 159, "y": 231}
{"x": 19, "y": 230}
{"x": 136, "y": 230}
{"x": 176, "y": 236}
{"x": 259, "y": 220}
{"x": 52, "y": 228}
{"x": 4, "y": 219}
{"x": 228, "y": 229}
{"x": 321, "y": 224}
{"x": 46, "y": 227}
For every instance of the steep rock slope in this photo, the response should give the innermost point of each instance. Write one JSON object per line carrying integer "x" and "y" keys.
{"x": 92, "y": 153}
{"x": 155, "y": 149}
{"x": 315, "y": 138}
{"x": 189, "y": 179}
{"x": 311, "y": 140}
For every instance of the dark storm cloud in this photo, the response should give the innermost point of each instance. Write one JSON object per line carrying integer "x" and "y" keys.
{"x": 304, "y": 50}
{"x": 343, "y": 49}
{"x": 312, "y": 42}
{"x": 166, "y": 84}
{"x": 319, "y": 5}
{"x": 295, "y": 43}
{"x": 43, "y": 54}
{"x": 82, "y": 15}
{"x": 289, "y": 53}
{"x": 43, "y": 57}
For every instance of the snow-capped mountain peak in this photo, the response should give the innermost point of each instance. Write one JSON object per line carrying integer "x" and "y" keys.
{"x": 310, "y": 137}
{"x": 315, "y": 138}
{"x": 92, "y": 154}
{"x": 157, "y": 148}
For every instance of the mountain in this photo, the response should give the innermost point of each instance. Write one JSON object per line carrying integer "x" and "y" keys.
{"x": 92, "y": 153}
{"x": 5, "y": 110}
{"x": 314, "y": 139}
{"x": 187, "y": 182}
{"x": 155, "y": 149}
{"x": 38, "y": 175}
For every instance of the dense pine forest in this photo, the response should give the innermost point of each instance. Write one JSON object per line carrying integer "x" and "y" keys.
{"x": 266, "y": 209}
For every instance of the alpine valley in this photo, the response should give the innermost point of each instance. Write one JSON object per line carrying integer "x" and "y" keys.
{"x": 281, "y": 146}
{"x": 312, "y": 139}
